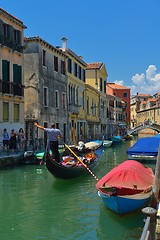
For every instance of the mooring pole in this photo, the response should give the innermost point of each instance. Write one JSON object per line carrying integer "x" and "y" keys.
{"x": 156, "y": 191}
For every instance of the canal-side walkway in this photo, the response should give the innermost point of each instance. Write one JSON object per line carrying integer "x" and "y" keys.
{"x": 17, "y": 157}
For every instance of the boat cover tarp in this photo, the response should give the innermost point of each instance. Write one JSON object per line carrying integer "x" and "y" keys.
{"x": 128, "y": 174}
{"x": 148, "y": 146}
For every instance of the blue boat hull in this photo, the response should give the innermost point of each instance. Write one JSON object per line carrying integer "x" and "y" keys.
{"x": 116, "y": 139}
{"x": 122, "y": 205}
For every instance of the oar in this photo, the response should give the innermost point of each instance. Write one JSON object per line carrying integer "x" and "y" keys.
{"x": 44, "y": 156}
{"x": 81, "y": 161}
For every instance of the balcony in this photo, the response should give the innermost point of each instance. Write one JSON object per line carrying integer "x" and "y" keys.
{"x": 11, "y": 44}
{"x": 74, "y": 109}
{"x": 11, "y": 88}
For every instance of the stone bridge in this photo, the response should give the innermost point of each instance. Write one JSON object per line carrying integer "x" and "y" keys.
{"x": 153, "y": 126}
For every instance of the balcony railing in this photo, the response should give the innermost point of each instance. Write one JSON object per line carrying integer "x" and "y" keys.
{"x": 74, "y": 109}
{"x": 11, "y": 88}
{"x": 11, "y": 44}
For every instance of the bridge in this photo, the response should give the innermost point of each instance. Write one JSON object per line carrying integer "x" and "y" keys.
{"x": 153, "y": 126}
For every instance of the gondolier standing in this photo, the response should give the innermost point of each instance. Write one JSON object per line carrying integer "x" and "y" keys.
{"x": 53, "y": 134}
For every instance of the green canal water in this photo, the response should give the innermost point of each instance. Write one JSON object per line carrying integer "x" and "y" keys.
{"x": 36, "y": 206}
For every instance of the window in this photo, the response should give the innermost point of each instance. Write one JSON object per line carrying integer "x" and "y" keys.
{"x": 6, "y": 31}
{"x": 83, "y": 100}
{"x": 57, "y": 99}
{"x": 124, "y": 94}
{"x": 87, "y": 105}
{"x": 64, "y": 101}
{"x": 17, "y": 36}
{"x": 75, "y": 69}
{"x": 55, "y": 63}
{"x": 45, "y": 96}
{"x": 44, "y": 57}
{"x": 101, "y": 84}
{"x": 69, "y": 65}
{"x": 79, "y": 73}
{"x": 5, "y": 112}
{"x": 84, "y": 75}
{"x": 5, "y": 76}
{"x": 105, "y": 86}
{"x": 16, "y": 112}
{"x": 5, "y": 70}
{"x": 63, "y": 67}
{"x": 77, "y": 96}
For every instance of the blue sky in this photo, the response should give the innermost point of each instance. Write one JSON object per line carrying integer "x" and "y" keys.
{"x": 123, "y": 34}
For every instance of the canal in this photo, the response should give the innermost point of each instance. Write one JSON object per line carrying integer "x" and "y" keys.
{"x": 36, "y": 206}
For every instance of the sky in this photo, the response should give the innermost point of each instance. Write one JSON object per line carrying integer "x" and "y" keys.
{"x": 123, "y": 34}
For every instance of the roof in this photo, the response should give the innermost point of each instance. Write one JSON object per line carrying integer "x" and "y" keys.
{"x": 148, "y": 146}
{"x": 40, "y": 40}
{"x": 13, "y": 17}
{"x": 116, "y": 86}
{"x": 143, "y": 95}
{"x": 152, "y": 99}
{"x": 95, "y": 65}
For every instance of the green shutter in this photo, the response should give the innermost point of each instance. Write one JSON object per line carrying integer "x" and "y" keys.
{"x": 5, "y": 112}
{"x": 5, "y": 70}
{"x": 16, "y": 112}
{"x": 17, "y": 74}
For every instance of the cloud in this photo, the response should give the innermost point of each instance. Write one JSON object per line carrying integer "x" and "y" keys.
{"x": 148, "y": 82}
{"x": 119, "y": 82}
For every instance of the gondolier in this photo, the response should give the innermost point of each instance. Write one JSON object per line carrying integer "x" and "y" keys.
{"x": 53, "y": 134}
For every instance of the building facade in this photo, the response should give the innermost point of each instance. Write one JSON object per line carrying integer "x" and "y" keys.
{"x": 96, "y": 76}
{"x": 123, "y": 93}
{"x": 45, "y": 87}
{"x": 76, "y": 77}
{"x": 135, "y": 102}
{"x": 11, "y": 72}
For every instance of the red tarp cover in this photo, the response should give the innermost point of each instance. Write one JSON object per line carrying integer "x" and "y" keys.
{"x": 128, "y": 174}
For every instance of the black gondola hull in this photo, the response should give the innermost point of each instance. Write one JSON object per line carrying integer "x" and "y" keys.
{"x": 67, "y": 172}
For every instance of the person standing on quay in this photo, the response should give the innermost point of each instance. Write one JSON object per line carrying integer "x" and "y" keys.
{"x": 5, "y": 139}
{"x": 12, "y": 140}
{"x": 21, "y": 139}
{"x": 53, "y": 134}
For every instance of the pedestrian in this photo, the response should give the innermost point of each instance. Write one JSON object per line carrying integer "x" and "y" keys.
{"x": 12, "y": 140}
{"x": 53, "y": 134}
{"x": 5, "y": 139}
{"x": 21, "y": 139}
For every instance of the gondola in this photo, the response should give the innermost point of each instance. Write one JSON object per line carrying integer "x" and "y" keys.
{"x": 67, "y": 169}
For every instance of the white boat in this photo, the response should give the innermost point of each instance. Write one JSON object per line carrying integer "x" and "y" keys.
{"x": 93, "y": 144}
{"x": 107, "y": 143}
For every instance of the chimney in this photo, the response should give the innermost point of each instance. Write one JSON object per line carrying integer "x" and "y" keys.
{"x": 64, "y": 43}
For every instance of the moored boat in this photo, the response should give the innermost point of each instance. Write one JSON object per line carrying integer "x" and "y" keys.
{"x": 128, "y": 137}
{"x": 95, "y": 144}
{"x": 117, "y": 139}
{"x": 107, "y": 143}
{"x": 127, "y": 187}
{"x": 144, "y": 149}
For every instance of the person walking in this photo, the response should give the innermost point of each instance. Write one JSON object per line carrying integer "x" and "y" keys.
{"x": 5, "y": 139}
{"x": 53, "y": 134}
